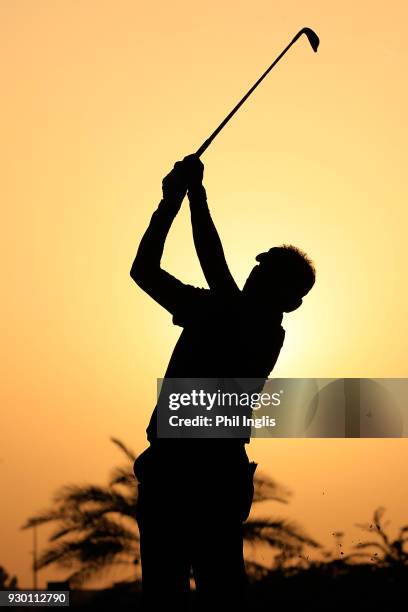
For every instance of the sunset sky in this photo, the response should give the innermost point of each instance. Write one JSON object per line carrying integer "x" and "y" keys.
{"x": 99, "y": 99}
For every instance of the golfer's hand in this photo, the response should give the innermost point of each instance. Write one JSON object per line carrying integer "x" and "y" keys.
{"x": 174, "y": 185}
{"x": 193, "y": 170}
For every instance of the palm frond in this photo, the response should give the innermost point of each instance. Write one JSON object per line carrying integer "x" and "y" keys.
{"x": 278, "y": 533}
{"x": 402, "y": 531}
{"x": 71, "y": 497}
{"x": 123, "y": 476}
{"x": 43, "y": 517}
{"x": 266, "y": 489}
{"x": 378, "y": 514}
{"x": 256, "y": 571}
{"x": 363, "y": 545}
{"x": 129, "y": 453}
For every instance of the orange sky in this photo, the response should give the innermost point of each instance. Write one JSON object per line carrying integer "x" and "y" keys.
{"x": 99, "y": 98}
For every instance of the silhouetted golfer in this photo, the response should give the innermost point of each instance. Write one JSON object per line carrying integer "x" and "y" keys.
{"x": 194, "y": 494}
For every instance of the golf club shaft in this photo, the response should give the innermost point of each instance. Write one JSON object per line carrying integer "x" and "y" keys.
{"x": 209, "y": 140}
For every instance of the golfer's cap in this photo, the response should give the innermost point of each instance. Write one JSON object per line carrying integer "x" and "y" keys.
{"x": 266, "y": 257}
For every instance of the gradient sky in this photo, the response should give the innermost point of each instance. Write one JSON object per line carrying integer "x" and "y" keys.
{"x": 99, "y": 98}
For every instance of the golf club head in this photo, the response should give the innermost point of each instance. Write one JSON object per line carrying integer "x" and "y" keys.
{"x": 312, "y": 38}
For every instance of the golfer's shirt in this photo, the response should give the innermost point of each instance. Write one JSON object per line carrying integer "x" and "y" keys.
{"x": 222, "y": 337}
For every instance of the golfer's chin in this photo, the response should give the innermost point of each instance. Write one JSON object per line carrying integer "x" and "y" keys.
{"x": 292, "y": 306}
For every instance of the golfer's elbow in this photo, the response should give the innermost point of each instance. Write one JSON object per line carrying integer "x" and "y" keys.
{"x": 138, "y": 273}
{"x": 141, "y": 272}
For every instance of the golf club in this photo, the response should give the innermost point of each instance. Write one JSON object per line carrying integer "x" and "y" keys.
{"x": 314, "y": 42}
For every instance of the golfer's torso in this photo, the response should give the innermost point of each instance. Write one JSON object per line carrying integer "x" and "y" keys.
{"x": 227, "y": 340}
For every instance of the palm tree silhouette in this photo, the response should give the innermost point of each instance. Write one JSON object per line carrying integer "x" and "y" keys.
{"x": 286, "y": 537}
{"x": 389, "y": 552}
{"x": 96, "y": 526}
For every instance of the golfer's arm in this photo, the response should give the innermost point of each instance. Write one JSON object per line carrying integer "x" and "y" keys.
{"x": 146, "y": 270}
{"x": 208, "y": 244}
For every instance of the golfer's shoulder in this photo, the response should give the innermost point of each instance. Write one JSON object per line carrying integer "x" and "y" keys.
{"x": 193, "y": 301}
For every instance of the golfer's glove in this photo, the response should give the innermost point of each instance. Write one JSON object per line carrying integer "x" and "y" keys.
{"x": 194, "y": 170}
{"x": 174, "y": 185}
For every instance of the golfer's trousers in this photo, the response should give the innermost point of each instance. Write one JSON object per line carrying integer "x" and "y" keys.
{"x": 190, "y": 521}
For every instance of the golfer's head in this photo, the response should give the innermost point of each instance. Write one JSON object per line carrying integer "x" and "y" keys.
{"x": 283, "y": 277}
